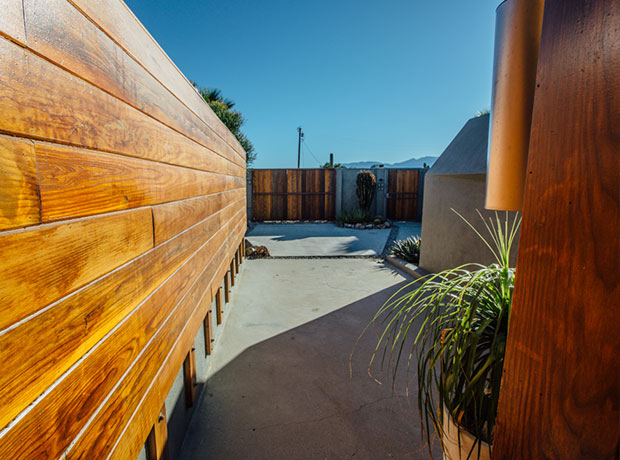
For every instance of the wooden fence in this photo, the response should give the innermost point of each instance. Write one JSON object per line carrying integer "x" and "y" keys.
{"x": 122, "y": 209}
{"x": 402, "y": 196}
{"x": 322, "y": 194}
{"x": 293, "y": 194}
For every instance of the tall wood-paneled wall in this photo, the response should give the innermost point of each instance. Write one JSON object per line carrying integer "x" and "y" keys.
{"x": 122, "y": 205}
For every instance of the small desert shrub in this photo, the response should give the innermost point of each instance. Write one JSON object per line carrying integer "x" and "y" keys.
{"x": 408, "y": 249}
{"x": 366, "y": 185}
{"x": 355, "y": 217}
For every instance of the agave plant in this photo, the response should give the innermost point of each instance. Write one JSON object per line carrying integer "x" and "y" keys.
{"x": 459, "y": 347}
{"x": 408, "y": 249}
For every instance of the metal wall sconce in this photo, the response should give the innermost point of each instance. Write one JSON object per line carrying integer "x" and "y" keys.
{"x": 518, "y": 26}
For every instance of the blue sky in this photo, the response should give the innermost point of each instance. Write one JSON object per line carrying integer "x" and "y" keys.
{"x": 367, "y": 80}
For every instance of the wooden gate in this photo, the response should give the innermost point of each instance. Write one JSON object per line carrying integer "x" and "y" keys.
{"x": 402, "y": 196}
{"x": 293, "y": 194}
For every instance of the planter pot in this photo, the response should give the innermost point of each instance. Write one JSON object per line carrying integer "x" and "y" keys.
{"x": 452, "y": 450}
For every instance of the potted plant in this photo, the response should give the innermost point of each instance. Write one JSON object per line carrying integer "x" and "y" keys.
{"x": 459, "y": 347}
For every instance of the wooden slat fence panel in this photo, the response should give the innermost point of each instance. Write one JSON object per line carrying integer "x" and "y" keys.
{"x": 293, "y": 194}
{"x": 402, "y": 198}
{"x": 123, "y": 201}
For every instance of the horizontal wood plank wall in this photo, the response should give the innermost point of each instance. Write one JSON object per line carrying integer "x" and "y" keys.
{"x": 122, "y": 202}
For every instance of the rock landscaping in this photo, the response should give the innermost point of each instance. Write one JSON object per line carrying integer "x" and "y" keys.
{"x": 367, "y": 226}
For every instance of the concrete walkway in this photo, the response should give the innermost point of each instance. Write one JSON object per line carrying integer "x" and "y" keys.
{"x": 324, "y": 239}
{"x": 407, "y": 229}
{"x": 279, "y": 385}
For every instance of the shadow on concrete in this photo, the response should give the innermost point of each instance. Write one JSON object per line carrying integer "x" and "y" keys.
{"x": 293, "y": 397}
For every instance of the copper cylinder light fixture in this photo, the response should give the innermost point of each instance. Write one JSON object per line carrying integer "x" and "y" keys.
{"x": 518, "y": 26}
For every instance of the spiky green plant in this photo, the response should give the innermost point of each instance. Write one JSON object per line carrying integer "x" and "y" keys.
{"x": 366, "y": 185}
{"x": 459, "y": 347}
{"x": 357, "y": 216}
{"x": 408, "y": 249}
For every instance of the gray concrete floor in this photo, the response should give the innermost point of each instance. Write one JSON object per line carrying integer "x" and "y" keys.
{"x": 324, "y": 239}
{"x": 279, "y": 385}
{"x": 407, "y": 229}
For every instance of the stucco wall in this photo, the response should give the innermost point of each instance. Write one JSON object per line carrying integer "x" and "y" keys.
{"x": 349, "y": 191}
{"x": 447, "y": 241}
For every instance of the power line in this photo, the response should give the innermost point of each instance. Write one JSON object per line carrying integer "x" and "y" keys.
{"x": 311, "y": 153}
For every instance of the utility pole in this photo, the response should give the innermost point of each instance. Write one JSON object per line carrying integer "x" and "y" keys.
{"x": 331, "y": 160}
{"x": 301, "y": 136}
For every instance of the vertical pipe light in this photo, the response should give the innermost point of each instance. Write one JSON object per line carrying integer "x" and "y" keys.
{"x": 518, "y": 25}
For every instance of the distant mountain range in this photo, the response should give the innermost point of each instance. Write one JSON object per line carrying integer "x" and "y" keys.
{"x": 410, "y": 163}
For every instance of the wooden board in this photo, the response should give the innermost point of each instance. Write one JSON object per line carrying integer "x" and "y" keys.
{"x": 66, "y": 109}
{"x": 172, "y": 218}
{"x": 560, "y": 390}
{"x": 115, "y": 18}
{"x": 89, "y": 53}
{"x": 77, "y": 182}
{"x": 122, "y": 204}
{"x": 116, "y": 414}
{"x": 43, "y": 264}
{"x": 19, "y": 193}
{"x": 293, "y": 194}
{"x": 76, "y": 323}
{"x": 157, "y": 442}
{"x": 80, "y": 393}
{"x": 12, "y": 20}
{"x": 129, "y": 442}
{"x": 402, "y": 198}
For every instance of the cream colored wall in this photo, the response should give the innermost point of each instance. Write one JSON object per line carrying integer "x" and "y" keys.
{"x": 447, "y": 241}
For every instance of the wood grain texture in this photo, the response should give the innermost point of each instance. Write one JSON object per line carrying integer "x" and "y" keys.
{"x": 12, "y": 20}
{"x": 122, "y": 205}
{"x": 227, "y": 285}
{"x": 89, "y": 53}
{"x": 157, "y": 442}
{"x": 293, "y": 194}
{"x": 19, "y": 193}
{"x": 115, "y": 18}
{"x": 64, "y": 108}
{"x": 402, "y": 200}
{"x": 560, "y": 390}
{"x": 155, "y": 366}
{"x": 218, "y": 304}
{"x": 77, "y": 182}
{"x": 189, "y": 377}
{"x": 76, "y": 323}
{"x": 129, "y": 443}
{"x": 172, "y": 218}
{"x": 43, "y": 264}
{"x": 79, "y": 394}
{"x": 208, "y": 328}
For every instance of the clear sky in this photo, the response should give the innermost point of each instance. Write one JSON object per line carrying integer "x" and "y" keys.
{"x": 382, "y": 80}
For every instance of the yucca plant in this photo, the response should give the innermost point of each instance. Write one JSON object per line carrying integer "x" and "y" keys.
{"x": 459, "y": 347}
{"x": 408, "y": 249}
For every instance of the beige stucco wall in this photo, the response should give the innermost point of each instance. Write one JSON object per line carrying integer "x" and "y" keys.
{"x": 447, "y": 241}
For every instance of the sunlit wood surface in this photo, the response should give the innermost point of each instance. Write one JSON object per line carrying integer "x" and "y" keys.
{"x": 122, "y": 206}
{"x": 560, "y": 391}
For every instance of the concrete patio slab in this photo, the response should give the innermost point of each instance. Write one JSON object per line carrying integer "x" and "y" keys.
{"x": 281, "y": 385}
{"x": 407, "y": 229}
{"x": 317, "y": 239}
